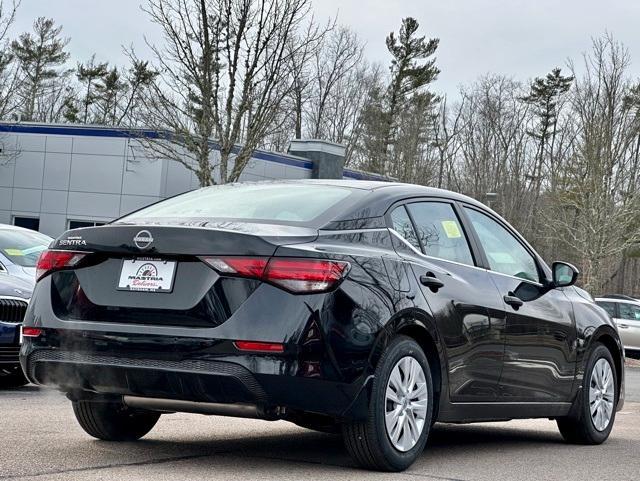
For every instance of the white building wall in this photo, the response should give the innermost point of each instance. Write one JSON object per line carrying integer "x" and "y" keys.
{"x": 59, "y": 174}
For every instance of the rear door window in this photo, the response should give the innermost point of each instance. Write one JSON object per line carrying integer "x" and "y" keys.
{"x": 610, "y": 307}
{"x": 440, "y": 232}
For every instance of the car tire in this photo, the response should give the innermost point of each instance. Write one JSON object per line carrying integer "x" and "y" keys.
{"x": 13, "y": 379}
{"x": 111, "y": 421}
{"x": 370, "y": 442}
{"x": 582, "y": 427}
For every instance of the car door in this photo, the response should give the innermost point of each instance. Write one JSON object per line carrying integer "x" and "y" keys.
{"x": 539, "y": 357}
{"x": 464, "y": 303}
{"x": 628, "y": 322}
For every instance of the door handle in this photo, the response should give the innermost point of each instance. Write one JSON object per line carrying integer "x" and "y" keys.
{"x": 431, "y": 281}
{"x": 623, "y": 326}
{"x": 513, "y": 300}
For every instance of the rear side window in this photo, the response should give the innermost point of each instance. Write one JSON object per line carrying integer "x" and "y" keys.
{"x": 610, "y": 307}
{"x": 280, "y": 203}
{"x": 403, "y": 226}
{"x": 629, "y": 312}
{"x": 440, "y": 232}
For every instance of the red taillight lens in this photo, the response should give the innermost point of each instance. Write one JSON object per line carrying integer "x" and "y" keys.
{"x": 51, "y": 260}
{"x": 31, "y": 331}
{"x": 259, "y": 346}
{"x": 295, "y": 275}
{"x": 241, "y": 266}
{"x": 305, "y": 275}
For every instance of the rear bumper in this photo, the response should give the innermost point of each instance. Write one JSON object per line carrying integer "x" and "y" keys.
{"x": 198, "y": 380}
{"x": 9, "y": 356}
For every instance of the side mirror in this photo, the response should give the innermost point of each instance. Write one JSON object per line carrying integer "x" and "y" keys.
{"x": 564, "y": 274}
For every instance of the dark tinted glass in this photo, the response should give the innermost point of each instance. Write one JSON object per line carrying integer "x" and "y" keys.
{"x": 440, "y": 231}
{"x": 403, "y": 226}
{"x": 610, "y": 307}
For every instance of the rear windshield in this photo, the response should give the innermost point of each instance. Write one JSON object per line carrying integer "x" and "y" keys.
{"x": 22, "y": 248}
{"x": 278, "y": 203}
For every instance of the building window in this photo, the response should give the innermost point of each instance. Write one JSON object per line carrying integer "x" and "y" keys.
{"x": 32, "y": 223}
{"x": 78, "y": 224}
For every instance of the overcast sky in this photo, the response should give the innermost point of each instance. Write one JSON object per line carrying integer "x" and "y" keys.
{"x": 519, "y": 38}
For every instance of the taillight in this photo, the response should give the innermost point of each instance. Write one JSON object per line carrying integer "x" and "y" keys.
{"x": 52, "y": 260}
{"x": 31, "y": 331}
{"x": 294, "y": 275}
{"x": 256, "y": 346}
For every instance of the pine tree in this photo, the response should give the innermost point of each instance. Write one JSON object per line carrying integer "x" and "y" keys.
{"x": 544, "y": 95}
{"x": 89, "y": 74}
{"x": 41, "y": 56}
{"x": 412, "y": 69}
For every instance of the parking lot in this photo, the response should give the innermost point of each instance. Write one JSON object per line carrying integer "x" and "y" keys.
{"x": 42, "y": 441}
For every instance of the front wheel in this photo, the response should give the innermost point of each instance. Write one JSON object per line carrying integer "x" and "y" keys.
{"x": 112, "y": 421}
{"x": 400, "y": 410}
{"x": 596, "y": 413}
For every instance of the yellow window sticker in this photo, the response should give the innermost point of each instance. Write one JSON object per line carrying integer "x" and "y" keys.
{"x": 451, "y": 229}
{"x": 14, "y": 252}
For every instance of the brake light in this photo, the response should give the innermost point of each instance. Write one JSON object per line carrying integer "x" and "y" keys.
{"x": 256, "y": 346}
{"x": 294, "y": 275}
{"x": 52, "y": 260}
{"x": 31, "y": 331}
{"x": 305, "y": 275}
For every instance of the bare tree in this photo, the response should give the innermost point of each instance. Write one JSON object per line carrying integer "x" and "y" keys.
{"x": 222, "y": 75}
{"x": 339, "y": 54}
{"x": 597, "y": 211}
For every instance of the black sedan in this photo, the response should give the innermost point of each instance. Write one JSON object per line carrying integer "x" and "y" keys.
{"x": 370, "y": 309}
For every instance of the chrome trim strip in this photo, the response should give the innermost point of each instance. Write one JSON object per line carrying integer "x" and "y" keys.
{"x": 322, "y": 232}
{"x": 399, "y": 236}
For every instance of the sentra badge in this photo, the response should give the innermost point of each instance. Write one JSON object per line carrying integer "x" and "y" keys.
{"x": 72, "y": 241}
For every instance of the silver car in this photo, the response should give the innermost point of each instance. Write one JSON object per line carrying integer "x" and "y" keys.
{"x": 625, "y": 311}
{"x": 19, "y": 251}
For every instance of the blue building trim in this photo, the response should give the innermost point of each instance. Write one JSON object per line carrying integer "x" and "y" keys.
{"x": 87, "y": 131}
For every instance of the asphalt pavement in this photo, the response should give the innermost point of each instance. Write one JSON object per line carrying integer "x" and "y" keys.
{"x": 41, "y": 441}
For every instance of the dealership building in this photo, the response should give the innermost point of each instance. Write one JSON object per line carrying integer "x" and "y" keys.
{"x": 56, "y": 177}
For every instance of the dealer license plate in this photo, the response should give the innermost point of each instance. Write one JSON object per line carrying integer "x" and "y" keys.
{"x": 147, "y": 275}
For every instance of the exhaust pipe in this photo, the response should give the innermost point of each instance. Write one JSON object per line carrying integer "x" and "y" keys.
{"x": 175, "y": 405}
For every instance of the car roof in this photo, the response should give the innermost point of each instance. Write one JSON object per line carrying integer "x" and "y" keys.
{"x": 382, "y": 194}
{"x": 630, "y": 300}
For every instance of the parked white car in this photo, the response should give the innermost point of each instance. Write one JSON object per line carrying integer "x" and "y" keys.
{"x": 625, "y": 311}
{"x": 19, "y": 251}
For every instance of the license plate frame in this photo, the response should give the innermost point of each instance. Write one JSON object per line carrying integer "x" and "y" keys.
{"x": 147, "y": 274}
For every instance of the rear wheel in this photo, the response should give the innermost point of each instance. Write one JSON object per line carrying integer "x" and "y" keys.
{"x": 400, "y": 410}
{"x": 111, "y": 421}
{"x": 597, "y": 409}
